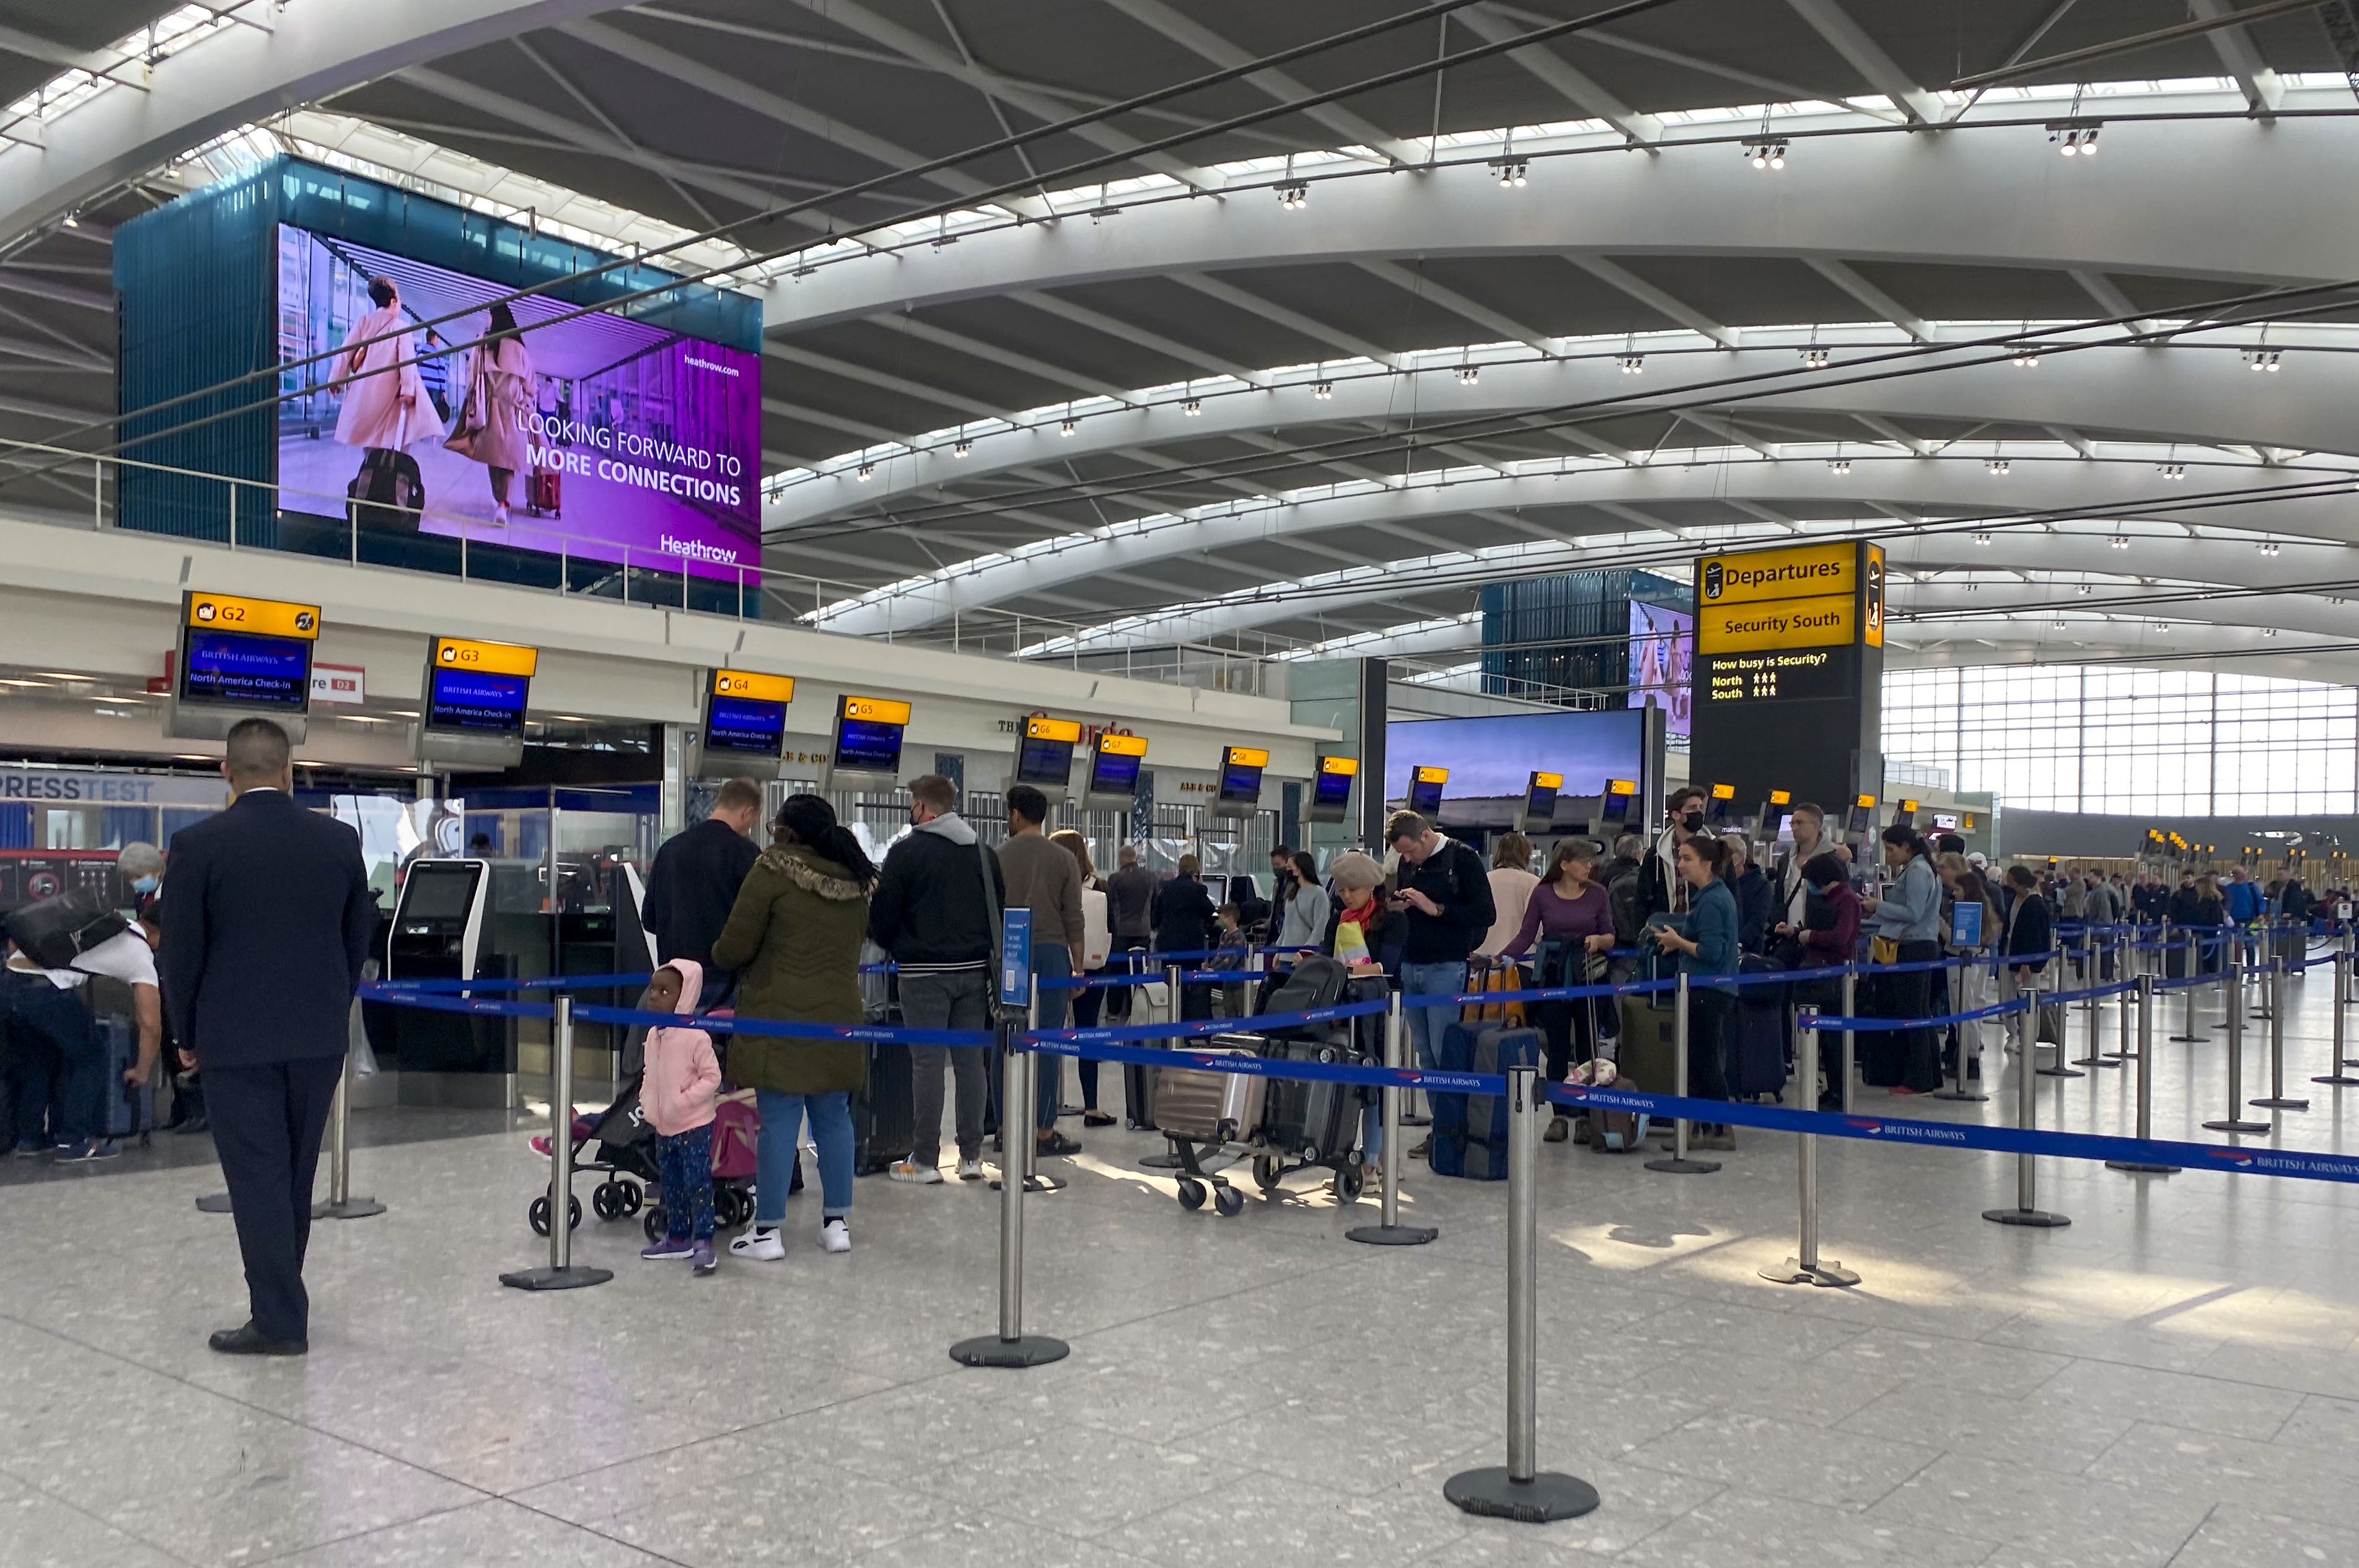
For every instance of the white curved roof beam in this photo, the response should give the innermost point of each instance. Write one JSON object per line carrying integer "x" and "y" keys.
{"x": 923, "y": 391}
{"x": 1729, "y": 430}
{"x": 1113, "y": 327}
{"x": 1884, "y": 428}
{"x": 786, "y": 408}
{"x": 507, "y": 107}
{"x": 239, "y": 75}
{"x": 607, "y": 123}
{"x": 1459, "y": 305}
{"x": 1797, "y": 485}
{"x": 2222, "y": 562}
{"x": 1866, "y": 56}
{"x": 1776, "y": 89}
{"x": 1575, "y": 86}
{"x": 859, "y": 19}
{"x": 1883, "y": 305}
{"x": 785, "y": 111}
{"x": 2236, "y": 50}
{"x": 17, "y": 281}
{"x": 976, "y": 348}
{"x": 1968, "y": 198}
{"x": 1280, "y": 84}
{"x": 2108, "y": 296}
{"x": 1293, "y": 321}
{"x": 1654, "y": 299}
{"x": 2186, "y": 392}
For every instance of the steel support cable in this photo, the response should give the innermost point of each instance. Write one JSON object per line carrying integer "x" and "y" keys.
{"x": 1700, "y": 397}
{"x": 940, "y": 209}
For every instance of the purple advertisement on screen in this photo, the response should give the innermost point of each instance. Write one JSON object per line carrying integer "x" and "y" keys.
{"x": 1662, "y": 663}
{"x": 601, "y": 437}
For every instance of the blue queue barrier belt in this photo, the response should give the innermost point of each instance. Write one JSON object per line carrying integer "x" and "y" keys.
{"x": 768, "y": 1027}
{"x": 544, "y": 982}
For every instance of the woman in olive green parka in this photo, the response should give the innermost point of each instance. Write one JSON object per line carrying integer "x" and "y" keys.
{"x": 793, "y": 937}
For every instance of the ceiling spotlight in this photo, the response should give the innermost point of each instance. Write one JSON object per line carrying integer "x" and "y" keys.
{"x": 1323, "y": 391}
{"x": 2075, "y": 138}
{"x": 1766, "y": 154}
{"x": 2119, "y": 541}
{"x": 2268, "y": 631}
{"x": 1816, "y": 358}
{"x": 73, "y": 220}
{"x": 2026, "y": 358}
{"x": 1838, "y": 466}
{"x": 1514, "y": 173}
{"x": 2085, "y": 590}
{"x": 1192, "y": 408}
{"x": 962, "y": 448}
{"x": 1294, "y": 195}
{"x": 1066, "y": 428}
{"x": 2172, "y": 471}
{"x": 867, "y": 471}
{"x": 1998, "y": 465}
{"x": 2062, "y": 625}
{"x": 1469, "y": 374}
{"x": 1632, "y": 364}
{"x": 2269, "y": 548}
{"x": 2263, "y": 359}
{"x": 1982, "y": 538}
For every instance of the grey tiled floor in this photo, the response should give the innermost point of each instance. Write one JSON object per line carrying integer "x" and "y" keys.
{"x": 2173, "y": 1381}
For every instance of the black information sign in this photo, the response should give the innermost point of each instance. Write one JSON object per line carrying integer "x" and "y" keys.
{"x": 1772, "y": 674}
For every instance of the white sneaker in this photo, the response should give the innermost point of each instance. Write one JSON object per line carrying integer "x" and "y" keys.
{"x": 903, "y": 1171}
{"x": 762, "y": 1246}
{"x": 835, "y": 1236}
{"x": 971, "y": 1170}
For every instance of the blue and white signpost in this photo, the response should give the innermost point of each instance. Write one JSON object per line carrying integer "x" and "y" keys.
{"x": 1011, "y": 1346}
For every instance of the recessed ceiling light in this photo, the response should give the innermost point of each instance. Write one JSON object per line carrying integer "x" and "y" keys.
{"x": 60, "y": 675}
{"x": 41, "y": 684}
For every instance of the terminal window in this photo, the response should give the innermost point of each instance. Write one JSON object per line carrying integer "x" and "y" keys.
{"x": 2067, "y": 738}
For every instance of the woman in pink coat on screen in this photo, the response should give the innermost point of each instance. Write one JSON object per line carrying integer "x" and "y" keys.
{"x": 492, "y": 430}
{"x": 385, "y": 405}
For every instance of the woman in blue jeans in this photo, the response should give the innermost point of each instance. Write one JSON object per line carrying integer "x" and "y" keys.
{"x": 794, "y": 939}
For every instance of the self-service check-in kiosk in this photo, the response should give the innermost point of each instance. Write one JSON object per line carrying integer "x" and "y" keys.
{"x": 1330, "y": 795}
{"x": 440, "y": 931}
{"x": 241, "y": 658}
{"x": 1425, "y": 787}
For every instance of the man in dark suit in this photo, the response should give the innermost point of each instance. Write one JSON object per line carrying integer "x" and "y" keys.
{"x": 266, "y": 919}
{"x": 693, "y": 884}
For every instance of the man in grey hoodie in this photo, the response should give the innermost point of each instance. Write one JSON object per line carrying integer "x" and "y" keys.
{"x": 932, "y": 912}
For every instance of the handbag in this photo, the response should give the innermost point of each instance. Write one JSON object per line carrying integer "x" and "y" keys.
{"x": 1883, "y": 949}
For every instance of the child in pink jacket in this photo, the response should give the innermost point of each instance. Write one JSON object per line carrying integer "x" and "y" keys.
{"x": 676, "y": 1089}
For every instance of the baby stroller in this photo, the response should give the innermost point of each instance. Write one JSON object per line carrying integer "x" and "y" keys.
{"x": 736, "y": 1134}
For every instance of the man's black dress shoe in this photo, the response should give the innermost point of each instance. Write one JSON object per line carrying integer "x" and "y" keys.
{"x": 248, "y": 1341}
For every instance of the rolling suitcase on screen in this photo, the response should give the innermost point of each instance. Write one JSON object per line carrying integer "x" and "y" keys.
{"x": 1469, "y": 1131}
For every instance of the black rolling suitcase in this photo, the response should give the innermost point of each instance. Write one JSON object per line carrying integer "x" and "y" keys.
{"x": 1306, "y": 1120}
{"x": 884, "y": 1125}
{"x": 1760, "y": 1027}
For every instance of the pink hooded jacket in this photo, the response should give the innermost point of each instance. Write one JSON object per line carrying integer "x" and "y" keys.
{"x": 683, "y": 1077}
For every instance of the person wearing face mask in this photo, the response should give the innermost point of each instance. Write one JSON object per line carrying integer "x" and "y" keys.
{"x": 1664, "y": 889}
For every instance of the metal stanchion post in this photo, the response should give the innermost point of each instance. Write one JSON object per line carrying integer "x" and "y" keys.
{"x": 1846, "y": 1059}
{"x": 2337, "y": 1061}
{"x": 2277, "y": 1098}
{"x": 340, "y": 1204}
{"x": 1171, "y": 1009}
{"x": 1677, "y": 1163}
{"x": 2092, "y": 1014}
{"x": 2234, "y": 1122}
{"x": 1804, "y": 1268}
{"x": 2186, "y": 1035}
{"x": 1389, "y": 1231}
{"x": 2145, "y": 1005}
{"x": 1011, "y": 1346}
{"x": 1519, "y": 1489}
{"x": 1031, "y": 1161}
{"x": 2026, "y": 1210}
{"x": 560, "y": 1274}
{"x": 2122, "y": 971}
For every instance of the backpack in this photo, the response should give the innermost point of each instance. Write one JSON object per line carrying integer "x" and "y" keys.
{"x": 1317, "y": 981}
{"x": 56, "y": 931}
{"x": 1625, "y": 899}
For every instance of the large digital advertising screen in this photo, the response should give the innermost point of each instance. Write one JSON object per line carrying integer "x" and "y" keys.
{"x": 1662, "y": 663}
{"x": 590, "y": 436}
{"x": 1494, "y": 758}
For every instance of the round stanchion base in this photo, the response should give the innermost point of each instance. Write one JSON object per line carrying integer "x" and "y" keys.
{"x": 2134, "y": 1168}
{"x": 2059, "y": 1073}
{"x": 351, "y": 1208}
{"x": 1412, "y": 1118}
{"x": 1392, "y": 1235}
{"x": 1037, "y": 1183}
{"x": 573, "y": 1278}
{"x": 2190, "y": 1039}
{"x": 1792, "y": 1272}
{"x": 2035, "y": 1218}
{"x": 1678, "y": 1167}
{"x": 2238, "y": 1126}
{"x": 1543, "y": 1499}
{"x": 2279, "y": 1103}
{"x": 2096, "y": 1061}
{"x": 2340, "y": 1077}
{"x": 213, "y": 1203}
{"x": 1026, "y": 1350}
{"x": 1957, "y": 1094}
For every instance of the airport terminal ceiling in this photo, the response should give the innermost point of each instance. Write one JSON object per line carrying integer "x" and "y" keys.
{"x": 1711, "y": 271}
